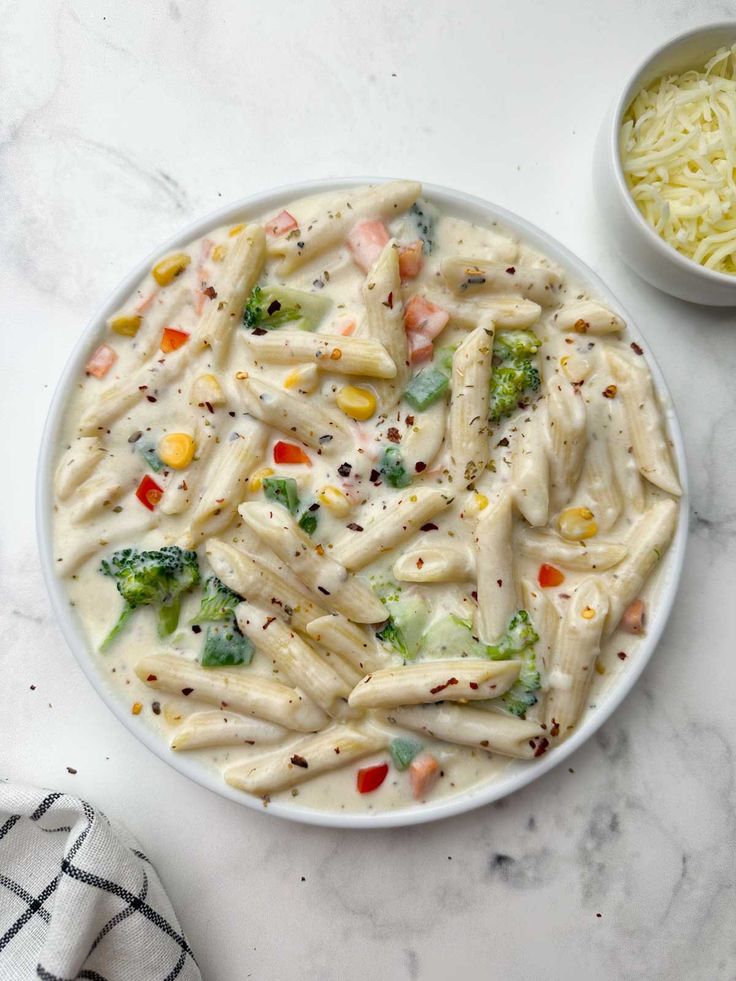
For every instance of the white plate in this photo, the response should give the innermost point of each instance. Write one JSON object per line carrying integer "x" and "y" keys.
{"x": 518, "y": 774}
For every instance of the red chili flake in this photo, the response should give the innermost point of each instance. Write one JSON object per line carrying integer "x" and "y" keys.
{"x": 636, "y": 348}
{"x": 267, "y": 624}
{"x": 353, "y": 526}
{"x": 499, "y": 582}
{"x": 420, "y": 562}
{"x": 542, "y": 747}
{"x": 503, "y": 442}
{"x": 344, "y": 469}
{"x": 474, "y": 685}
{"x": 299, "y": 761}
{"x": 439, "y": 688}
{"x": 511, "y": 270}
{"x": 622, "y": 655}
{"x": 187, "y": 691}
{"x": 389, "y": 301}
{"x": 555, "y": 728}
{"x": 152, "y": 677}
{"x": 410, "y": 420}
{"x": 474, "y": 594}
{"x": 419, "y": 466}
{"x": 430, "y": 526}
{"x": 394, "y": 435}
{"x": 259, "y": 331}
{"x": 211, "y": 292}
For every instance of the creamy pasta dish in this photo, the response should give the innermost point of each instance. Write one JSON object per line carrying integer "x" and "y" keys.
{"x": 358, "y": 501}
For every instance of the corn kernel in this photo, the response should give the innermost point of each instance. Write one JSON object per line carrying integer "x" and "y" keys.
{"x": 600, "y": 668}
{"x": 481, "y": 501}
{"x": 334, "y": 499}
{"x": 256, "y": 479}
{"x": 166, "y": 270}
{"x": 207, "y": 388}
{"x": 136, "y": 708}
{"x": 357, "y": 403}
{"x": 577, "y": 523}
{"x": 126, "y": 326}
{"x": 588, "y": 613}
{"x": 609, "y": 392}
{"x": 176, "y": 450}
{"x": 219, "y": 252}
{"x": 305, "y": 378}
{"x": 236, "y": 230}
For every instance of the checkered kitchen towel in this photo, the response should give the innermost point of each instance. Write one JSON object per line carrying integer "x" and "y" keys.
{"x": 78, "y": 899}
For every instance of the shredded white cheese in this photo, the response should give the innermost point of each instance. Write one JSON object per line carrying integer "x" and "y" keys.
{"x": 678, "y": 150}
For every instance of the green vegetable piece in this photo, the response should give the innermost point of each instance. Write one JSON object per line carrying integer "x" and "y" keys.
{"x": 393, "y": 469}
{"x": 520, "y": 634}
{"x": 308, "y": 521}
{"x": 283, "y": 490}
{"x": 406, "y": 623}
{"x": 452, "y": 637}
{"x": 148, "y": 451}
{"x": 444, "y": 357}
{"x": 218, "y": 602}
{"x": 271, "y": 307}
{"x": 426, "y": 388}
{"x": 424, "y": 215}
{"x": 522, "y": 694}
{"x": 155, "y": 578}
{"x": 511, "y": 344}
{"x": 509, "y": 383}
{"x": 224, "y": 646}
{"x": 403, "y": 749}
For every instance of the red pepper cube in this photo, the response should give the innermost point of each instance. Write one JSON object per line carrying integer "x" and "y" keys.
{"x": 172, "y": 339}
{"x": 149, "y": 493}
{"x": 370, "y": 778}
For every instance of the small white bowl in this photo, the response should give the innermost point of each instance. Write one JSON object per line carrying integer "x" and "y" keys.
{"x": 637, "y": 243}
{"x": 518, "y": 773}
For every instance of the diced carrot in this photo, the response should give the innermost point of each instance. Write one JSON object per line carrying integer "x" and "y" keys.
{"x": 346, "y": 326}
{"x": 147, "y": 301}
{"x": 424, "y": 772}
{"x": 282, "y": 223}
{"x": 549, "y": 575}
{"x": 411, "y": 258}
{"x": 171, "y": 339}
{"x": 101, "y": 361}
{"x": 420, "y": 347}
{"x": 633, "y": 619}
{"x": 421, "y": 315}
{"x": 366, "y": 242}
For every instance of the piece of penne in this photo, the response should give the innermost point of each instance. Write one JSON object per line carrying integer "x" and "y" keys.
{"x": 117, "y": 530}
{"x": 398, "y": 522}
{"x": 573, "y": 665}
{"x": 205, "y": 729}
{"x": 331, "y": 749}
{"x": 623, "y": 461}
{"x": 328, "y": 226}
{"x": 647, "y": 542}
{"x": 263, "y": 582}
{"x": 548, "y": 546}
{"x": 435, "y": 563}
{"x": 566, "y": 436}
{"x": 329, "y": 352}
{"x": 479, "y": 728}
{"x": 471, "y": 277}
{"x": 385, "y": 323}
{"x": 185, "y": 488}
{"x": 77, "y": 464}
{"x": 326, "y": 579}
{"x": 226, "y": 480}
{"x": 424, "y": 682}
{"x": 310, "y": 420}
{"x": 470, "y": 446}
{"x": 645, "y": 421}
{"x": 94, "y": 496}
{"x": 546, "y": 619}
{"x": 497, "y": 599}
{"x": 166, "y": 310}
{"x": 530, "y": 470}
{"x": 293, "y": 656}
{"x": 598, "y": 485}
{"x": 506, "y": 312}
{"x": 349, "y": 641}
{"x": 423, "y": 441}
{"x": 235, "y": 688}
{"x": 588, "y": 317}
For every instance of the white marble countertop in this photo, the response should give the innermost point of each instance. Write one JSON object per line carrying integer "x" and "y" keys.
{"x": 120, "y": 122}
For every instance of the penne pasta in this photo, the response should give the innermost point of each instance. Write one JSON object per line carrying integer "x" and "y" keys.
{"x": 623, "y": 461}
{"x": 530, "y": 470}
{"x": 479, "y": 728}
{"x": 349, "y": 641}
{"x": 547, "y": 546}
{"x": 384, "y": 323}
{"x": 435, "y": 563}
{"x": 506, "y": 312}
{"x": 497, "y": 599}
{"x": 470, "y": 446}
{"x": 237, "y": 688}
{"x": 329, "y": 352}
{"x": 546, "y": 619}
{"x": 587, "y": 317}
{"x": 77, "y": 464}
{"x": 331, "y": 749}
{"x": 471, "y": 277}
{"x": 203, "y": 730}
{"x": 598, "y": 484}
{"x": 566, "y": 435}
{"x": 95, "y": 496}
{"x": 424, "y": 440}
{"x": 425, "y": 682}
{"x": 383, "y": 533}
{"x": 312, "y": 421}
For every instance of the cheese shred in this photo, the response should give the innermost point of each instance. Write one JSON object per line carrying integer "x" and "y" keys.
{"x": 678, "y": 151}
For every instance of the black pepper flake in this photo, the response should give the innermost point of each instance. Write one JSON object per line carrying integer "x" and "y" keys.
{"x": 475, "y": 280}
{"x": 313, "y": 507}
{"x": 325, "y": 439}
{"x": 323, "y": 590}
{"x": 318, "y": 284}
{"x": 353, "y": 526}
{"x": 187, "y": 691}
{"x": 151, "y": 398}
{"x": 33, "y": 687}
{"x": 430, "y": 526}
{"x": 134, "y": 437}
{"x": 622, "y": 655}
{"x": 156, "y": 708}
{"x": 503, "y": 442}
{"x": 273, "y": 307}
{"x": 299, "y": 761}
{"x": 511, "y": 271}
{"x": 344, "y": 469}
{"x": 419, "y": 466}
{"x": 196, "y": 629}
{"x": 374, "y": 475}
{"x": 71, "y": 769}
{"x": 636, "y": 348}
{"x": 232, "y": 414}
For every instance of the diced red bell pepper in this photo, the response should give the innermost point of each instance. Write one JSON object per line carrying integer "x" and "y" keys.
{"x": 425, "y": 317}
{"x": 289, "y": 453}
{"x": 424, "y": 772}
{"x": 549, "y": 575}
{"x": 101, "y": 361}
{"x": 634, "y": 616}
{"x": 420, "y": 347}
{"x": 282, "y": 223}
{"x": 411, "y": 258}
{"x": 149, "y": 493}
{"x": 172, "y": 339}
{"x": 370, "y": 778}
{"x": 366, "y": 242}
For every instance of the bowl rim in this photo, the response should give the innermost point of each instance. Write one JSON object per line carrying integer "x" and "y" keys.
{"x": 620, "y": 106}
{"x": 515, "y": 776}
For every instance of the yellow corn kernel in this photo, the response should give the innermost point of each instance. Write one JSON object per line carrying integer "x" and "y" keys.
{"x": 563, "y": 361}
{"x": 125, "y": 325}
{"x": 136, "y": 708}
{"x": 176, "y": 450}
{"x": 172, "y": 715}
{"x": 236, "y": 230}
{"x": 305, "y": 378}
{"x": 577, "y": 523}
{"x": 166, "y": 270}
{"x": 256, "y": 479}
{"x": 334, "y": 499}
{"x": 358, "y": 403}
{"x": 207, "y": 389}
{"x": 600, "y": 667}
{"x": 219, "y": 252}
{"x": 588, "y": 613}
{"x": 481, "y": 501}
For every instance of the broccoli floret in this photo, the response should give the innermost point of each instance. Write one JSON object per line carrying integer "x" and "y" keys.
{"x": 391, "y": 634}
{"x": 515, "y": 344}
{"x": 218, "y": 601}
{"x": 519, "y": 641}
{"x": 514, "y": 373}
{"x": 519, "y": 635}
{"x": 254, "y": 312}
{"x": 153, "y": 578}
